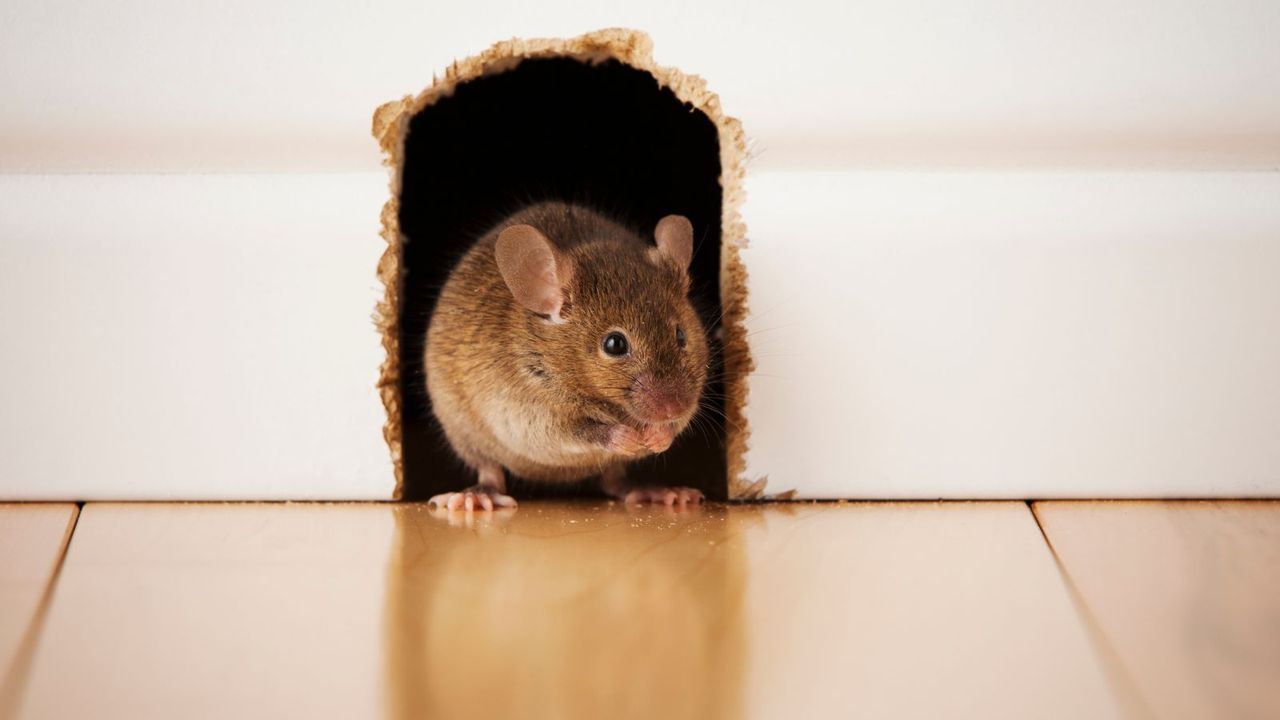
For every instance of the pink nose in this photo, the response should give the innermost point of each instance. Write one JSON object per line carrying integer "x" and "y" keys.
{"x": 667, "y": 407}
{"x": 660, "y": 401}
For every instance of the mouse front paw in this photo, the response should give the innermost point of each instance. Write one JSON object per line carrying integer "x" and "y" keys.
{"x": 657, "y": 437}
{"x": 477, "y": 497}
{"x": 625, "y": 440}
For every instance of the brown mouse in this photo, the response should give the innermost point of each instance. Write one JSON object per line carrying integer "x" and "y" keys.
{"x": 562, "y": 346}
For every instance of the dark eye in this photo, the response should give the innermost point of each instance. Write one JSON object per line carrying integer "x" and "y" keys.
{"x": 680, "y": 338}
{"x": 615, "y": 344}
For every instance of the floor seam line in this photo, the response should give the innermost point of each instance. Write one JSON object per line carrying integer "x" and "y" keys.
{"x": 14, "y": 685}
{"x": 1118, "y": 676}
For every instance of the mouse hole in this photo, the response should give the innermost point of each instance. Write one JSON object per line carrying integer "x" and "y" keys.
{"x": 590, "y": 120}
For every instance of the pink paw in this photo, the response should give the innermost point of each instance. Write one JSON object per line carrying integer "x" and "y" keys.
{"x": 625, "y": 440}
{"x": 657, "y": 437}
{"x": 477, "y": 497}
{"x": 663, "y": 495}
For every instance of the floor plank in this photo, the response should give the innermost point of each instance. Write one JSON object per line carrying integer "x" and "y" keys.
{"x": 921, "y": 610}
{"x": 227, "y": 611}
{"x": 32, "y": 540}
{"x": 565, "y": 610}
{"x": 1186, "y": 594}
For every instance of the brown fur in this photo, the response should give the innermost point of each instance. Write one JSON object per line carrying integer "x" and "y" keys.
{"x": 511, "y": 387}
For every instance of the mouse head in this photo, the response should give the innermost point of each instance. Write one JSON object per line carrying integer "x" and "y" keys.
{"x": 614, "y": 319}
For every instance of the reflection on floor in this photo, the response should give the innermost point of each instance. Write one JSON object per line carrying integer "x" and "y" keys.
{"x": 599, "y": 610}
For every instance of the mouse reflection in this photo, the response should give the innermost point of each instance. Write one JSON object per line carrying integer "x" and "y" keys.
{"x": 566, "y": 610}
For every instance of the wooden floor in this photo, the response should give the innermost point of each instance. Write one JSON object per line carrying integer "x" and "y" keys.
{"x": 594, "y": 610}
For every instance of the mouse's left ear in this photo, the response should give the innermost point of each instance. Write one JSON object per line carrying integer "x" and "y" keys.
{"x": 674, "y": 234}
{"x": 534, "y": 270}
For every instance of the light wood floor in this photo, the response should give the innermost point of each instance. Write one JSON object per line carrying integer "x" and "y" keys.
{"x": 594, "y": 610}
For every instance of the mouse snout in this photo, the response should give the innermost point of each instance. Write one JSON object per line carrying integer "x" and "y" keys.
{"x": 660, "y": 400}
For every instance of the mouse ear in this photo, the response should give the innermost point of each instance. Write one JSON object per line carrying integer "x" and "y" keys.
{"x": 674, "y": 234}
{"x": 533, "y": 270}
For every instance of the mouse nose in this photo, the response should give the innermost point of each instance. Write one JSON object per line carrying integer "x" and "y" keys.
{"x": 661, "y": 400}
{"x": 667, "y": 408}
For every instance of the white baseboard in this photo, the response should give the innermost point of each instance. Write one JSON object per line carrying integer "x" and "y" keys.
{"x": 916, "y": 335}
{"x": 1015, "y": 335}
{"x": 188, "y": 336}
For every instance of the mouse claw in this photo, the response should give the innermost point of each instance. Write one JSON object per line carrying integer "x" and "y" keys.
{"x": 625, "y": 440}
{"x": 471, "y": 499}
{"x": 657, "y": 437}
{"x": 669, "y": 496}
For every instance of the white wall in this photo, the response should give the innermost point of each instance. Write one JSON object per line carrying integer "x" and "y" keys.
{"x": 1004, "y": 328}
{"x": 289, "y": 85}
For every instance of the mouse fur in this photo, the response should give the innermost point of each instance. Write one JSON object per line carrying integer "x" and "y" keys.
{"x": 518, "y": 355}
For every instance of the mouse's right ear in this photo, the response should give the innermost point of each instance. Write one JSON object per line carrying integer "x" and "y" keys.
{"x": 674, "y": 235}
{"x": 535, "y": 272}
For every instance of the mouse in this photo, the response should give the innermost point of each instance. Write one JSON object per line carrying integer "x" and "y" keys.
{"x": 563, "y": 345}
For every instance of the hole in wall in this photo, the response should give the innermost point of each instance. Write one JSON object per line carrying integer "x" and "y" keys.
{"x": 601, "y": 134}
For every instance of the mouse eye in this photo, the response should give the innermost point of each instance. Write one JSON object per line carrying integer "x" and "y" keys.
{"x": 615, "y": 344}
{"x": 680, "y": 338}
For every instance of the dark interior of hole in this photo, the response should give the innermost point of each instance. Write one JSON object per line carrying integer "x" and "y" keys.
{"x": 601, "y": 134}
